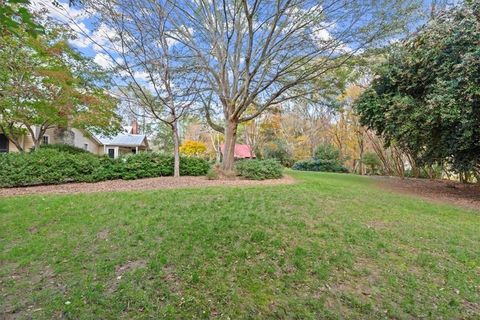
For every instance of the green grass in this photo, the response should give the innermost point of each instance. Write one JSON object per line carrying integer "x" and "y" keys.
{"x": 330, "y": 247}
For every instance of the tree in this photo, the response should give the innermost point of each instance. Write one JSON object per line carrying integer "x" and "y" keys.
{"x": 262, "y": 53}
{"x": 426, "y": 97}
{"x": 15, "y": 16}
{"x": 44, "y": 83}
{"x": 143, "y": 49}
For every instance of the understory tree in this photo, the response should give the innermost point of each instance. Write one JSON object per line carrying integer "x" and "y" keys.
{"x": 44, "y": 83}
{"x": 426, "y": 97}
{"x": 138, "y": 40}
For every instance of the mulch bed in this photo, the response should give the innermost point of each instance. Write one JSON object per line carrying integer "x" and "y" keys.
{"x": 445, "y": 191}
{"x": 141, "y": 184}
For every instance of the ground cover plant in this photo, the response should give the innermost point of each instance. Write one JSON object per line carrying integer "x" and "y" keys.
{"x": 331, "y": 246}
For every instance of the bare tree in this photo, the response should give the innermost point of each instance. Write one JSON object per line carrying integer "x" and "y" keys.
{"x": 140, "y": 46}
{"x": 259, "y": 53}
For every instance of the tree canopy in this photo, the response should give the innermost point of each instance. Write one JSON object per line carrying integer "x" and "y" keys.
{"x": 44, "y": 83}
{"x": 426, "y": 96}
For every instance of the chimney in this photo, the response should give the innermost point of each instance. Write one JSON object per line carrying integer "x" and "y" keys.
{"x": 135, "y": 128}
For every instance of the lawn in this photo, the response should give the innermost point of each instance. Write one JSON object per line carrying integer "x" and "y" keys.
{"x": 332, "y": 246}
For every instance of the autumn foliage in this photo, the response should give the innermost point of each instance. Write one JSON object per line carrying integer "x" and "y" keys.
{"x": 193, "y": 148}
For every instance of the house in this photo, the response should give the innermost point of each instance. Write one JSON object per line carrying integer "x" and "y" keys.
{"x": 242, "y": 151}
{"x": 129, "y": 141}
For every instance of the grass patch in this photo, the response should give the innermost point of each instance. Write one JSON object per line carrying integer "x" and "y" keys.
{"x": 332, "y": 246}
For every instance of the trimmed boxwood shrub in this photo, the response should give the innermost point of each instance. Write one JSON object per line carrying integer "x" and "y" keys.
{"x": 54, "y": 166}
{"x": 259, "y": 169}
{"x": 319, "y": 165}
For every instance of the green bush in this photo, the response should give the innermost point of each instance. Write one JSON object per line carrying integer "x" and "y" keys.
{"x": 46, "y": 166}
{"x": 328, "y": 152}
{"x": 278, "y": 150}
{"x": 63, "y": 148}
{"x": 327, "y": 158}
{"x": 319, "y": 165}
{"x": 56, "y": 165}
{"x": 259, "y": 169}
{"x": 372, "y": 161}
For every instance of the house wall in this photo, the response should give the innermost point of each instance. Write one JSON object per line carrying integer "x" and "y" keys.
{"x": 79, "y": 141}
{"x": 129, "y": 150}
{"x": 26, "y": 143}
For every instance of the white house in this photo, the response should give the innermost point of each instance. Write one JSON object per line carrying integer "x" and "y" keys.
{"x": 129, "y": 141}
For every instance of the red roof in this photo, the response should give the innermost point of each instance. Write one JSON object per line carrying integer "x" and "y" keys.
{"x": 242, "y": 151}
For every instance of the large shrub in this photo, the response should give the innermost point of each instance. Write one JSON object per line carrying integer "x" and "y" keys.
{"x": 259, "y": 169}
{"x": 425, "y": 96}
{"x": 46, "y": 166}
{"x": 327, "y": 158}
{"x": 328, "y": 152}
{"x": 372, "y": 161}
{"x": 53, "y": 166}
{"x": 278, "y": 150}
{"x": 319, "y": 165}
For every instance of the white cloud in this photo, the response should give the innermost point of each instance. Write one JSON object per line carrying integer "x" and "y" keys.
{"x": 141, "y": 76}
{"x": 103, "y": 60}
{"x": 322, "y": 35}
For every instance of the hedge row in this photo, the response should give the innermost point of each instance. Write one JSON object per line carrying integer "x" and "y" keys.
{"x": 54, "y": 166}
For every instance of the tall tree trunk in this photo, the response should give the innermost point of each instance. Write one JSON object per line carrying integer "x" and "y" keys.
{"x": 360, "y": 165}
{"x": 229, "y": 145}
{"x": 176, "y": 150}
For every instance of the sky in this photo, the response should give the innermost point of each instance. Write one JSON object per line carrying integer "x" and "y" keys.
{"x": 92, "y": 39}
{"x": 66, "y": 14}
{"x": 83, "y": 25}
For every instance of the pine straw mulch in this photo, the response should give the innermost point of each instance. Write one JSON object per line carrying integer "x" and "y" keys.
{"x": 443, "y": 191}
{"x": 140, "y": 184}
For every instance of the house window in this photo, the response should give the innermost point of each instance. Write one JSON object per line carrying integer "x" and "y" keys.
{"x": 85, "y": 146}
{"x": 3, "y": 143}
{"x": 134, "y": 150}
{"x": 45, "y": 140}
{"x": 111, "y": 153}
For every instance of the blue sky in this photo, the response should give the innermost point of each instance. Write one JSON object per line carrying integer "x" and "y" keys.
{"x": 83, "y": 24}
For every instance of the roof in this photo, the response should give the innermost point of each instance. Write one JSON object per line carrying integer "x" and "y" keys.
{"x": 242, "y": 151}
{"x": 123, "y": 139}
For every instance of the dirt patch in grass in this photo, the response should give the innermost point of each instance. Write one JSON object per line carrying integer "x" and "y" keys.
{"x": 121, "y": 270}
{"x": 379, "y": 224}
{"x": 103, "y": 235}
{"x": 173, "y": 281}
{"x": 141, "y": 184}
{"x": 444, "y": 191}
{"x": 23, "y": 307}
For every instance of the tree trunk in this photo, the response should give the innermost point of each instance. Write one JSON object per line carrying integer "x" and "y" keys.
{"x": 360, "y": 164}
{"x": 36, "y": 144}
{"x": 176, "y": 150}
{"x": 15, "y": 142}
{"x": 229, "y": 145}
